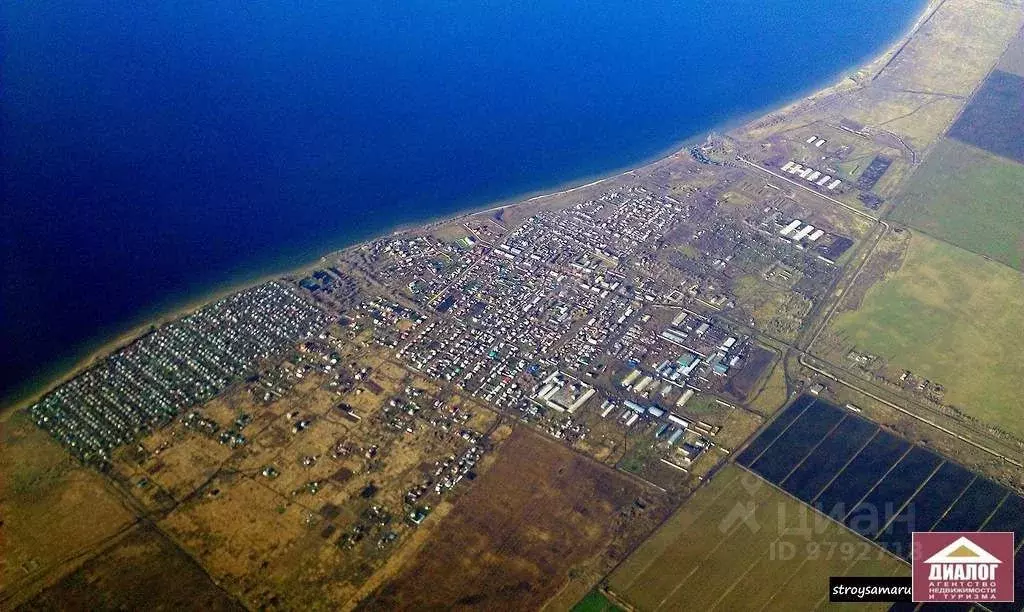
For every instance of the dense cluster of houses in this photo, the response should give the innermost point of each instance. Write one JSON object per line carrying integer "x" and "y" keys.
{"x": 179, "y": 365}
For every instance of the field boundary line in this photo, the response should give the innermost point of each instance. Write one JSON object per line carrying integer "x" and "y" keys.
{"x": 844, "y": 466}
{"x": 739, "y": 578}
{"x": 699, "y": 563}
{"x": 725, "y": 489}
{"x": 923, "y": 484}
{"x": 824, "y": 597}
{"x": 910, "y": 447}
{"x": 996, "y": 509}
{"x": 785, "y": 583}
{"x": 780, "y": 434}
{"x": 828, "y": 517}
{"x": 842, "y": 419}
{"x": 955, "y": 500}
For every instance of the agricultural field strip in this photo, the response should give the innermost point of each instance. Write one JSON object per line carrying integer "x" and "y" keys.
{"x": 727, "y": 591}
{"x": 981, "y": 124}
{"x": 1019, "y": 557}
{"x": 825, "y": 515}
{"x": 914, "y": 494}
{"x": 735, "y": 541}
{"x": 868, "y": 492}
{"x": 800, "y": 408}
{"x": 898, "y": 408}
{"x": 959, "y": 171}
{"x": 783, "y": 584}
{"x": 667, "y": 543}
{"x": 740, "y": 579}
{"x": 994, "y": 106}
{"x": 795, "y": 486}
{"x": 796, "y": 436}
{"x": 959, "y": 514}
{"x": 798, "y": 571}
{"x": 722, "y": 541}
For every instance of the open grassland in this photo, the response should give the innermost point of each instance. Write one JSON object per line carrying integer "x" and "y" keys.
{"x": 772, "y": 393}
{"x": 955, "y": 48}
{"x": 952, "y": 317}
{"x": 738, "y": 543}
{"x": 541, "y": 515}
{"x": 775, "y": 309}
{"x": 968, "y": 197}
{"x": 916, "y": 91}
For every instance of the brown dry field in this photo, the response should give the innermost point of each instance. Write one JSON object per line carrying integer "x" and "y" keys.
{"x": 540, "y": 515}
{"x": 271, "y": 542}
{"x": 53, "y": 511}
{"x": 144, "y": 571}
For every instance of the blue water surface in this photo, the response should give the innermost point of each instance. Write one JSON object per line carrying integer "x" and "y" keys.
{"x": 153, "y": 150}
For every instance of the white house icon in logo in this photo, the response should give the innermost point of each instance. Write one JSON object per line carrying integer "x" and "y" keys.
{"x": 962, "y": 560}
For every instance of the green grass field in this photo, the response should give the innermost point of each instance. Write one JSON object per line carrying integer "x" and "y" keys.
{"x": 954, "y": 318}
{"x": 595, "y": 602}
{"x": 708, "y": 557}
{"x": 968, "y": 197}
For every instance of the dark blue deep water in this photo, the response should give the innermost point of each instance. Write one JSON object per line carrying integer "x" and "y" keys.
{"x": 153, "y": 150}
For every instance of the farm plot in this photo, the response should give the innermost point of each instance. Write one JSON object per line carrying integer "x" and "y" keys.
{"x": 969, "y": 197}
{"x": 53, "y": 511}
{"x": 145, "y": 571}
{"x": 875, "y": 483}
{"x": 741, "y": 544}
{"x": 994, "y": 118}
{"x": 940, "y": 288}
{"x": 1013, "y": 57}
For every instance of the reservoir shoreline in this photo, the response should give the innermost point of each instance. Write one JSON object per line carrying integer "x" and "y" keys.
{"x": 25, "y": 394}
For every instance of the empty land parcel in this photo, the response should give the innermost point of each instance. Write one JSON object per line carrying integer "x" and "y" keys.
{"x": 993, "y": 119}
{"x": 1013, "y": 59}
{"x": 948, "y": 315}
{"x": 541, "y": 516}
{"x": 53, "y": 510}
{"x": 740, "y": 544}
{"x": 144, "y": 571}
{"x": 970, "y": 189}
{"x": 969, "y": 197}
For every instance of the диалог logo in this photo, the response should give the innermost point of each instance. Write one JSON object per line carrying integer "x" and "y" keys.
{"x": 963, "y": 566}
